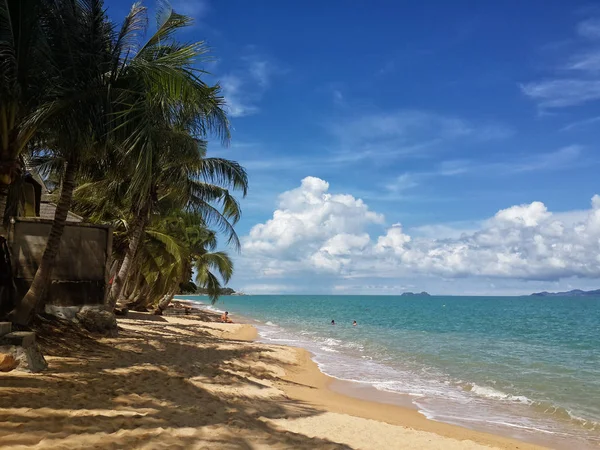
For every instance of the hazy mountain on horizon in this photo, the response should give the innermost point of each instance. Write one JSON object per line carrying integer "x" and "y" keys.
{"x": 572, "y": 293}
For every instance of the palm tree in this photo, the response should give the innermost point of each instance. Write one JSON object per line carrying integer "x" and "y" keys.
{"x": 78, "y": 37}
{"x": 187, "y": 232}
{"x": 182, "y": 178}
{"x": 27, "y": 72}
{"x": 123, "y": 97}
{"x": 173, "y": 246}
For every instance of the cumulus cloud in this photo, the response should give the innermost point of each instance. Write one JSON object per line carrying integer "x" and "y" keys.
{"x": 316, "y": 231}
{"x": 309, "y": 216}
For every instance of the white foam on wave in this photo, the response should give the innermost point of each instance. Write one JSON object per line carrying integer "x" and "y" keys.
{"x": 353, "y": 346}
{"x": 329, "y": 349}
{"x": 458, "y": 419}
{"x": 488, "y": 392}
{"x": 308, "y": 333}
{"x": 589, "y": 424}
{"x": 213, "y": 309}
{"x": 205, "y": 306}
{"x": 271, "y": 324}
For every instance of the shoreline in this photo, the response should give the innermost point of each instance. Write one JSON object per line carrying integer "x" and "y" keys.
{"x": 340, "y": 396}
{"x": 184, "y": 381}
{"x": 311, "y": 385}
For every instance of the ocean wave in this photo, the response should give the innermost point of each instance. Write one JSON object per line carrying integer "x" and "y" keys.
{"x": 329, "y": 349}
{"x": 488, "y": 392}
{"x": 450, "y": 418}
{"x": 332, "y": 342}
{"x": 565, "y": 414}
{"x": 354, "y": 346}
{"x": 271, "y": 324}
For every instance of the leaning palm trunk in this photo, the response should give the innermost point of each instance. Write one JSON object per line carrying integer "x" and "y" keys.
{"x": 139, "y": 298}
{"x": 34, "y": 297}
{"x": 164, "y": 303}
{"x": 136, "y": 235}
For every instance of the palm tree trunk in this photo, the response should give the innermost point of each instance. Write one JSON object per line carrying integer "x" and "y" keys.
{"x": 131, "y": 292}
{"x": 136, "y": 234}
{"x": 11, "y": 198}
{"x": 164, "y": 303}
{"x": 34, "y": 297}
{"x": 140, "y": 299}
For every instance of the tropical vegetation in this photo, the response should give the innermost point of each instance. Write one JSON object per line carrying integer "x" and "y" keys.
{"x": 121, "y": 124}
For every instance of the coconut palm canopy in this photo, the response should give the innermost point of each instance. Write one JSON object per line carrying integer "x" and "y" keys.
{"x": 120, "y": 122}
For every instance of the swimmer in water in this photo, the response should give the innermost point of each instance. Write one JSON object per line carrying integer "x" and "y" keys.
{"x": 354, "y": 323}
{"x": 333, "y": 322}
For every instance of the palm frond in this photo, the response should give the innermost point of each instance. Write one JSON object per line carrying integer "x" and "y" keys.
{"x": 212, "y": 284}
{"x": 172, "y": 246}
{"x": 168, "y": 22}
{"x": 127, "y": 42}
{"x": 217, "y": 261}
{"x": 225, "y": 173}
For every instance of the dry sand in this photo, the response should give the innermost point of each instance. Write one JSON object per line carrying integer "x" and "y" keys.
{"x": 177, "y": 382}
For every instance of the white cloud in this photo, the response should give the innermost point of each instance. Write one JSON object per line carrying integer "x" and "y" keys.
{"x": 562, "y": 92}
{"x": 402, "y": 183}
{"x": 262, "y": 70}
{"x": 589, "y": 28}
{"x": 238, "y": 103}
{"x": 264, "y": 288}
{"x": 407, "y": 133}
{"x": 316, "y": 232}
{"x": 582, "y": 84}
{"x": 454, "y": 167}
{"x": 338, "y": 97}
{"x": 443, "y": 231}
{"x": 193, "y": 8}
{"x": 580, "y": 123}
{"x": 244, "y": 88}
{"x": 308, "y": 215}
{"x": 585, "y": 62}
{"x": 563, "y": 158}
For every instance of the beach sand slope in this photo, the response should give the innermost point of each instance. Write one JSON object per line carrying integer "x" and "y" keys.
{"x": 180, "y": 383}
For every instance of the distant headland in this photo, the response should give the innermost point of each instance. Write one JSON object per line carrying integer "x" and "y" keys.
{"x": 415, "y": 294}
{"x": 573, "y": 293}
{"x": 222, "y": 291}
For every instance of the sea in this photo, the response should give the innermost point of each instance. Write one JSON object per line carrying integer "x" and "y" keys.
{"x": 524, "y": 367}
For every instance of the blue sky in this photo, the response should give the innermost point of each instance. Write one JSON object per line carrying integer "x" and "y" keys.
{"x": 453, "y": 121}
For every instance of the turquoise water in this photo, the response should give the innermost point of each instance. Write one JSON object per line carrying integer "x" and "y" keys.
{"x": 524, "y": 365}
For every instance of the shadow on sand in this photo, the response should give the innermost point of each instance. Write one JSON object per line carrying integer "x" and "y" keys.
{"x": 129, "y": 392}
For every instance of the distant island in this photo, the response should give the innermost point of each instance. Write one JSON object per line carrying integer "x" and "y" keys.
{"x": 415, "y": 294}
{"x": 573, "y": 293}
{"x": 222, "y": 291}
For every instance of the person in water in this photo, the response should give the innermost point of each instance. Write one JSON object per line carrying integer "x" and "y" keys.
{"x": 354, "y": 323}
{"x": 225, "y": 318}
{"x": 333, "y": 322}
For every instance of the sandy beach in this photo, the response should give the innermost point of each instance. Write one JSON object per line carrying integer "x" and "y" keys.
{"x": 184, "y": 382}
